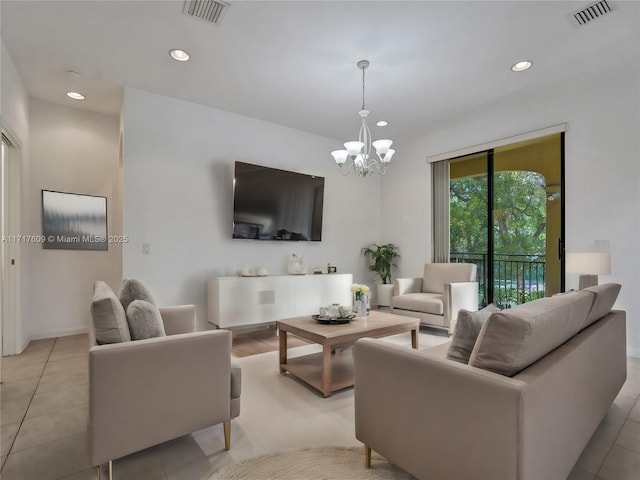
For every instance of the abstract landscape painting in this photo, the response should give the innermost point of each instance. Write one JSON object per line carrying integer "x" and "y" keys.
{"x": 72, "y": 221}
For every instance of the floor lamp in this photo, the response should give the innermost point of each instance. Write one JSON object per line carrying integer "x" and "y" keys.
{"x": 589, "y": 265}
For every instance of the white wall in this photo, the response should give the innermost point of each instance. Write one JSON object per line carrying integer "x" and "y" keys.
{"x": 14, "y": 99}
{"x": 178, "y": 172}
{"x": 72, "y": 151}
{"x": 14, "y": 112}
{"x": 602, "y": 174}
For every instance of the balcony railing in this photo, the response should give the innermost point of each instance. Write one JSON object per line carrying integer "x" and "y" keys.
{"x": 516, "y": 278}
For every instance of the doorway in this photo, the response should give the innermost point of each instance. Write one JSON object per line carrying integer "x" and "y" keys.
{"x": 506, "y": 210}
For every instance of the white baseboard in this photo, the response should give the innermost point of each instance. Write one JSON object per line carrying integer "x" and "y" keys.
{"x": 24, "y": 345}
{"x": 58, "y": 333}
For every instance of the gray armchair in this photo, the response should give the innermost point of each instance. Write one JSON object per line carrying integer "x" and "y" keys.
{"x": 145, "y": 392}
{"x": 437, "y": 296}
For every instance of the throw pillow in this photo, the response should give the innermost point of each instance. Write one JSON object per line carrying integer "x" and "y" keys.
{"x": 144, "y": 320}
{"x": 109, "y": 319}
{"x": 515, "y": 338}
{"x": 466, "y": 332}
{"x": 131, "y": 290}
{"x": 605, "y": 297}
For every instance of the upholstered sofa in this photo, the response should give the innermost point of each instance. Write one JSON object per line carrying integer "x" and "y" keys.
{"x": 437, "y": 296}
{"x": 145, "y": 392}
{"x": 540, "y": 378}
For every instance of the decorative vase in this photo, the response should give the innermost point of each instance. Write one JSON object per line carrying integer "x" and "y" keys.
{"x": 360, "y": 304}
{"x": 297, "y": 265}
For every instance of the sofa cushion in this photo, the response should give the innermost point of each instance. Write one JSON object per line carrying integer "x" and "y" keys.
{"x": 606, "y": 296}
{"x": 420, "y": 302}
{"x": 514, "y": 338}
{"x": 131, "y": 290}
{"x": 109, "y": 319}
{"x": 466, "y": 332}
{"x": 144, "y": 320}
{"x": 437, "y": 274}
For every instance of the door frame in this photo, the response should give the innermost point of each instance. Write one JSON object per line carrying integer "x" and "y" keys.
{"x": 10, "y": 251}
{"x": 488, "y": 149}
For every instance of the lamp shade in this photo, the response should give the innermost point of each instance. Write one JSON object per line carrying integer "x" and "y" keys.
{"x": 353, "y": 147}
{"x": 382, "y": 146}
{"x": 386, "y": 158}
{"x": 340, "y": 156}
{"x": 590, "y": 263}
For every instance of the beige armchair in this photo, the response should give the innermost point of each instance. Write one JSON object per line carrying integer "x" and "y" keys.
{"x": 145, "y": 392}
{"x": 436, "y": 297}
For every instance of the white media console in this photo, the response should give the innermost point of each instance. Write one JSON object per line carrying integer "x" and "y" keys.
{"x": 242, "y": 301}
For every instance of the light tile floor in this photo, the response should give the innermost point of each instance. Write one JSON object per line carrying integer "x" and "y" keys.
{"x": 44, "y": 413}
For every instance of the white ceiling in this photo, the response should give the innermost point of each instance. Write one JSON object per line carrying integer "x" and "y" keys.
{"x": 294, "y": 62}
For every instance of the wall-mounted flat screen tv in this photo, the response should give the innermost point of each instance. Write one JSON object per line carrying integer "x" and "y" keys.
{"x": 273, "y": 204}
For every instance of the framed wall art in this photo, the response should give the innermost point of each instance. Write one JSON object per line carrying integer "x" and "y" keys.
{"x": 72, "y": 221}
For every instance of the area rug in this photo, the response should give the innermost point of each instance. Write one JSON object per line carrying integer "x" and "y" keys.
{"x": 324, "y": 463}
{"x": 262, "y": 340}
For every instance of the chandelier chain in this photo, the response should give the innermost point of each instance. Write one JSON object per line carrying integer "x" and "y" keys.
{"x": 363, "y": 108}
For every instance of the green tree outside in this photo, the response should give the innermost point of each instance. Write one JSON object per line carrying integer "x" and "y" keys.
{"x": 520, "y": 211}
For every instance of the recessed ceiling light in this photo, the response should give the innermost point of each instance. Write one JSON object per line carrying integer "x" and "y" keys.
{"x": 382, "y": 123}
{"x": 179, "y": 55}
{"x": 75, "y": 95}
{"x": 521, "y": 66}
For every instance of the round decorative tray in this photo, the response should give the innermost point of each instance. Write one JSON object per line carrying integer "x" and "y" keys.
{"x": 333, "y": 320}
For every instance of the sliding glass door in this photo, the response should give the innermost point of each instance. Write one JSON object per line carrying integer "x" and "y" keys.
{"x": 506, "y": 216}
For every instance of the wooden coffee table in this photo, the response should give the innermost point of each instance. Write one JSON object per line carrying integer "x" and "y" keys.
{"x": 326, "y": 372}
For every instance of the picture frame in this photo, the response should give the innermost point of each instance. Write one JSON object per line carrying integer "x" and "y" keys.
{"x": 74, "y": 221}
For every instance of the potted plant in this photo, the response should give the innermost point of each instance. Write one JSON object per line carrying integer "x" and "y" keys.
{"x": 383, "y": 257}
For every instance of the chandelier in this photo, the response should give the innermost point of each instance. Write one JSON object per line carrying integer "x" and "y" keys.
{"x": 358, "y": 153}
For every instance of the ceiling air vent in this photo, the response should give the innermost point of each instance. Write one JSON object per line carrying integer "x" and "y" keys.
{"x": 210, "y": 10}
{"x": 590, "y": 13}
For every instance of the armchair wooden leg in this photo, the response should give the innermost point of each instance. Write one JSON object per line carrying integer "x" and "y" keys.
{"x": 227, "y": 434}
{"x": 110, "y": 471}
{"x": 367, "y": 456}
